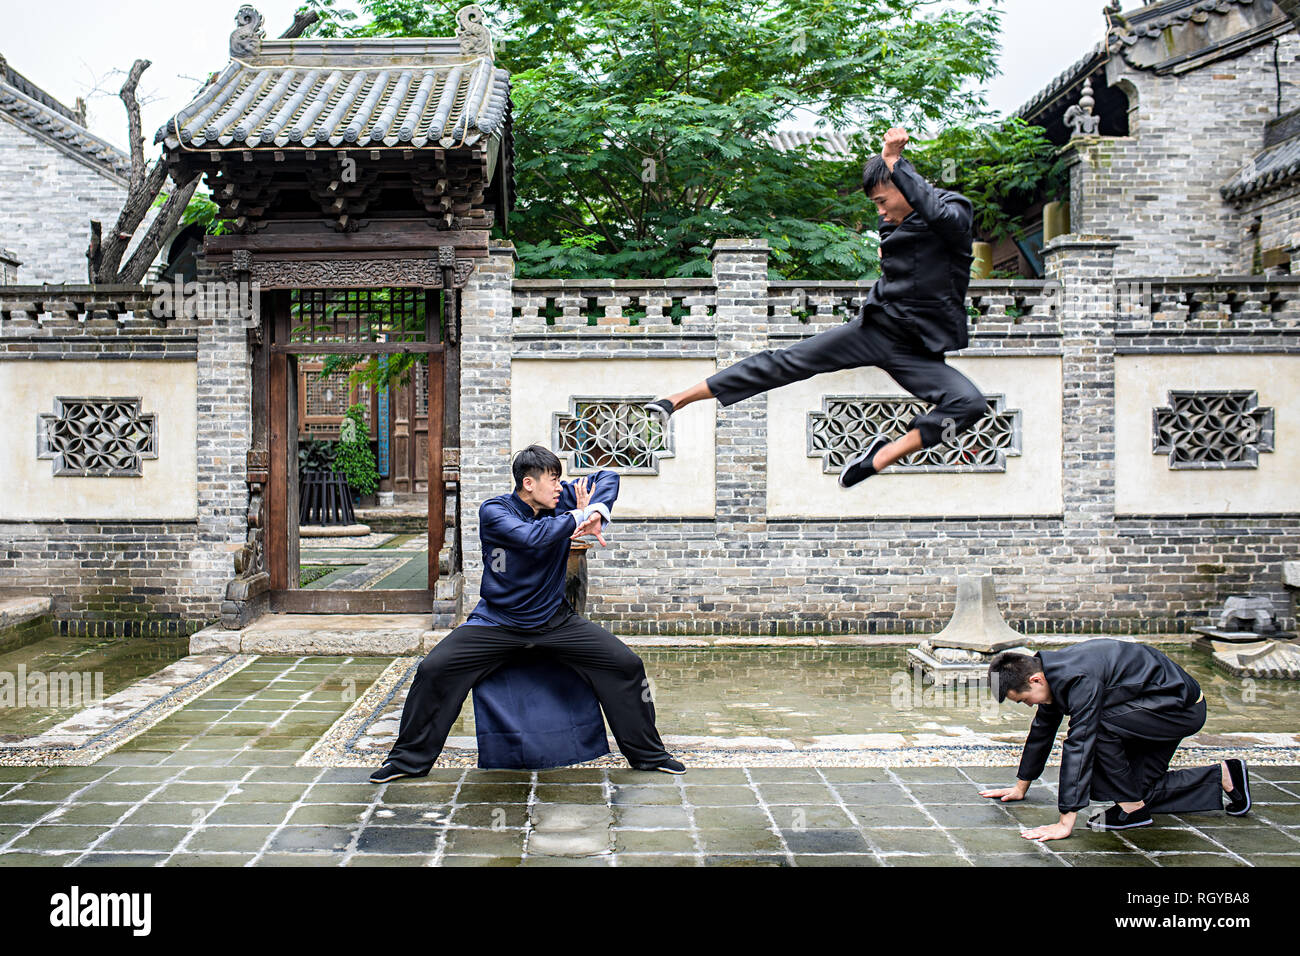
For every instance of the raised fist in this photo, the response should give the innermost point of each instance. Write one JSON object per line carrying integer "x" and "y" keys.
{"x": 895, "y": 140}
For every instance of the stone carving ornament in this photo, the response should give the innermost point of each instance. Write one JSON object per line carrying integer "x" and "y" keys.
{"x": 475, "y": 40}
{"x": 246, "y": 38}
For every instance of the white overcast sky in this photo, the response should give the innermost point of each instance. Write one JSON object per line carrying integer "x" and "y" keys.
{"x": 71, "y": 48}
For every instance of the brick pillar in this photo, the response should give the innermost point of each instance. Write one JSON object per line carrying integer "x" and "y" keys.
{"x": 740, "y": 271}
{"x": 1084, "y": 265}
{"x": 485, "y": 344}
{"x": 224, "y": 435}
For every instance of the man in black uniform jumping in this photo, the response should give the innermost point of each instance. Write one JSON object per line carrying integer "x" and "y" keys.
{"x": 1130, "y": 706}
{"x": 914, "y": 313}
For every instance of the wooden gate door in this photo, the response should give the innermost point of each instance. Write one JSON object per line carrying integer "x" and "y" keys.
{"x": 311, "y": 324}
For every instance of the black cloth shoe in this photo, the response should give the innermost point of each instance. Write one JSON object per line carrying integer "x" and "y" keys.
{"x": 668, "y": 766}
{"x": 1239, "y": 796}
{"x": 859, "y": 467}
{"x": 388, "y": 772}
{"x": 659, "y": 410}
{"x": 1116, "y": 819}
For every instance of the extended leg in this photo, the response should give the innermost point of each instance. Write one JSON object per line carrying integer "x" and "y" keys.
{"x": 850, "y": 345}
{"x": 441, "y": 683}
{"x": 958, "y": 402}
{"x": 618, "y": 677}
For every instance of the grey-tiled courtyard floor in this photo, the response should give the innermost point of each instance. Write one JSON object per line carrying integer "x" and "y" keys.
{"x": 215, "y": 784}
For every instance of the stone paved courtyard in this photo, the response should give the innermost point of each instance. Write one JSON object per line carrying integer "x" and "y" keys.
{"x": 216, "y": 784}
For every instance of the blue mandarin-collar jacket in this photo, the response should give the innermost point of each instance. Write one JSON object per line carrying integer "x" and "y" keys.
{"x": 525, "y": 554}
{"x": 1090, "y": 681}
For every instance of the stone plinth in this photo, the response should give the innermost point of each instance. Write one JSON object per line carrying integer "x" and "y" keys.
{"x": 1275, "y": 659}
{"x": 961, "y": 652}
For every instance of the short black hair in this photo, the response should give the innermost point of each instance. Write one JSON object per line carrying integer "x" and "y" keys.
{"x": 875, "y": 172}
{"x": 533, "y": 462}
{"x": 1011, "y": 670}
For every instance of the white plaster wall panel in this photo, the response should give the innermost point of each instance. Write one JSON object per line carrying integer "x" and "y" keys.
{"x": 684, "y": 486}
{"x": 168, "y": 487}
{"x": 1144, "y": 482}
{"x": 1031, "y": 484}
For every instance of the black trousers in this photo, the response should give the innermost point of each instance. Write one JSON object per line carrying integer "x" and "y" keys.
{"x": 873, "y": 340}
{"x": 471, "y": 652}
{"x": 1131, "y": 762}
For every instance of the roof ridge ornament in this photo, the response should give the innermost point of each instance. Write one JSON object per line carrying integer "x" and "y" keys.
{"x": 475, "y": 38}
{"x": 246, "y": 38}
{"x": 1080, "y": 117}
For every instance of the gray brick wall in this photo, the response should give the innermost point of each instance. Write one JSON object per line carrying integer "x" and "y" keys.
{"x": 486, "y": 304}
{"x": 1086, "y": 571}
{"x": 1189, "y": 133}
{"x": 143, "y": 577}
{"x": 47, "y": 199}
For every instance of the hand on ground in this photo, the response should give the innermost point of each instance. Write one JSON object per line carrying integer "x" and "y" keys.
{"x": 1053, "y": 831}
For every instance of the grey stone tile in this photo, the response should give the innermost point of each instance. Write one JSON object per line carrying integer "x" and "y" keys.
{"x": 485, "y": 842}
{"x": 655, "y": 859}
{"x": 646, "y": 818}
{"x": 122, "y": 859}
{"x": 156, "y": 838}
{"x": 653, "y": 841}
{"x": 730, "y": 818}
{"x": 625, "y": 795}
{"x": 790, "y": 793}
{"x": 740, "y": 841}
{"x": 58, "y": 838}
{"x": 208, "y": 859}
{"x": 313, "y": 838}
{"x": 825, "y": 840}
{"x": 250, "y": 813}
{"x": 399, "y": 839}
{"x": 230, "y": 839}
{"x": 837, "y": 859}
{"x": 1105, "y": 859}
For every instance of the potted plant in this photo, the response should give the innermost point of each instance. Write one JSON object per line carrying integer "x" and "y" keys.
{"x": 353, "y": 455}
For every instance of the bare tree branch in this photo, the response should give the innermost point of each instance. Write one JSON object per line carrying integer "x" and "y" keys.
{"x": 301, "y": 21}
{"x": 143, "y": 186}
{"x": 162, "y": 226}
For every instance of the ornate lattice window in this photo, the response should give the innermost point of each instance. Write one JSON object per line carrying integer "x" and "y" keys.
{"x": 97, "y": 437}
{"x": 351, "y": 316}
{"x": 1212, "y": 429}
{"x": 847, "y": 425}
{"x": 323, "y": 400}
{"x": 614, "y": 433}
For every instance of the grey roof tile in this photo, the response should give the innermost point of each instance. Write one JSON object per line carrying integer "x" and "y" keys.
{"x": 382, "y": 92}
{"x": 49, "y": 118}
{"x": 1272, "y": 168}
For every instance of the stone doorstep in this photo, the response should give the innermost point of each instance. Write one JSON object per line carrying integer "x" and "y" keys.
{"x": 19, "y": 610}
{"x": 333, "y": 531}
{"x": 377, "y": 635}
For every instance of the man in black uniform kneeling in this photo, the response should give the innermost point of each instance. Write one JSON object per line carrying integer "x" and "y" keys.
{"x": 1130, "y": 706}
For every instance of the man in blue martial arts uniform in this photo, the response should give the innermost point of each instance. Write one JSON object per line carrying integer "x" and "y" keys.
{"x": 525, "y": 538}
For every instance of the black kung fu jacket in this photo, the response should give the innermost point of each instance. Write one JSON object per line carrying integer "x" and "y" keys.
{"x": 1087, "y": 681}
{"x": 925, "y": 263}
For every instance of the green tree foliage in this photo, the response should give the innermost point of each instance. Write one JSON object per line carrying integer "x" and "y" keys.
{"x": 352, "y": 454}
{"x": 641, "y": 126}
